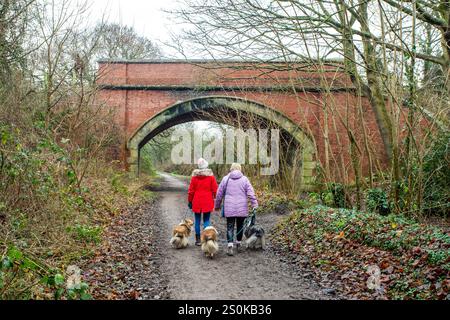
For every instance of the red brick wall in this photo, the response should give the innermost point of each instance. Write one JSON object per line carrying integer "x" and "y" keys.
{"x": 135, "y": 107}
{"x": 217, "y": 74}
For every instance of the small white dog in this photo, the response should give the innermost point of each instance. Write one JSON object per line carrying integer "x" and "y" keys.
{"x": 210, "y": 245}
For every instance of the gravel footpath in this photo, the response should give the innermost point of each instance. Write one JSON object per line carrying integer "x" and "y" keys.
{"x": 138, "y": 262}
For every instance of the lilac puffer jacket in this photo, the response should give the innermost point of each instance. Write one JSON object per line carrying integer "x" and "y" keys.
{"x": 239, "y": 190}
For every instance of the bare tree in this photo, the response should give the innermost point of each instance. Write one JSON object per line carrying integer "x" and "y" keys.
{"x": 14, "y": 19}
{"x": 117, "y": 41}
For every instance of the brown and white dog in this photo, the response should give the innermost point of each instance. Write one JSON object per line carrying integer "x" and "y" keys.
{"x": 210, "y": 246}
{"x": 181, "y": 233}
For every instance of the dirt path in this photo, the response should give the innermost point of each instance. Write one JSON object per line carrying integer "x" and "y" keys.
{"x": 137, "y": 262}
{"x": 247, "y": 275}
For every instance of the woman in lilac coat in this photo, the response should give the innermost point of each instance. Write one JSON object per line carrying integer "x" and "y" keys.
{"x": 236, "y": 190}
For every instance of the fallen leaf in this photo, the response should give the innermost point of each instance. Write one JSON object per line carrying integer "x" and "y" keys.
{"x": 415, "y": 263}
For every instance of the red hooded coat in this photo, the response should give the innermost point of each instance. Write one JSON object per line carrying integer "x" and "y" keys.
{"x": 202, "y": 190}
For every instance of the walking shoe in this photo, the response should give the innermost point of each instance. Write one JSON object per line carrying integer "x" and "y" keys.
{"x": 230, "y": 249}
{"x": 197, "y": 240}
{"x": 238, "y": 246}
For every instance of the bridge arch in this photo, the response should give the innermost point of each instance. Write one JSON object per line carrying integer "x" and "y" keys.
{"x": 185, "y": 111}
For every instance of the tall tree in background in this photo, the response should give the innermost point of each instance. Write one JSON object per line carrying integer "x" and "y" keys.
{"x": 14, "y": 19}
{"x": 117, "y": 41}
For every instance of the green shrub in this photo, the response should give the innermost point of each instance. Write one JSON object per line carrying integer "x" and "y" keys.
{"x": 436, "y": 170}
{"x": 377, "y": 201}
{"x": 327, "y": 198}
{"x": 18, "y": 269}
{"x": 118, "y": 185}
{"x": 338, "y": 195}
{"x": 86, "y": 233}
{"x": 315, "y": 198}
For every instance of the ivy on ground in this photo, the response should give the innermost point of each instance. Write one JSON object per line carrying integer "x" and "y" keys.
{"x": 414, "y": 258}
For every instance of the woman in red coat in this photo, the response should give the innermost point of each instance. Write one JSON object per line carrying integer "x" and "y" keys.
{"x": 201, "y": 194}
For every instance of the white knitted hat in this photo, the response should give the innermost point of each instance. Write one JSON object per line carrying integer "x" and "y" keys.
{"x": 202, "y": 163}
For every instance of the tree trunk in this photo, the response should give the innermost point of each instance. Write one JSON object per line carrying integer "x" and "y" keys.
{"x": 444, "y": 10}
{"x": 375, "y": 84}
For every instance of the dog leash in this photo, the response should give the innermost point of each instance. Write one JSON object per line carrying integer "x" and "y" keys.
{"x": 187, "y": 213}
{"x": 249, "y": 217}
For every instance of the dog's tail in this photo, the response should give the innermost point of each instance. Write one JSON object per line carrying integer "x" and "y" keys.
{"x": 210, "y": 246}
{"x": 178, "y": 241}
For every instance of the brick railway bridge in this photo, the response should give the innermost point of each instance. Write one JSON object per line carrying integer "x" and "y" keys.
{"x": 311, "y": 103}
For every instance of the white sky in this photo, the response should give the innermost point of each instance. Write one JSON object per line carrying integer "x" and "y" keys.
{"x": 146, "y": 16}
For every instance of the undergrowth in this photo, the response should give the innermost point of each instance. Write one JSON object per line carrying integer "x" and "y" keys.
{"x": 49, "y": 220}
{"x": 414, "y": 258}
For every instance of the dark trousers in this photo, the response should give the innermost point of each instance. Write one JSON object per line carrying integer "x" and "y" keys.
{"x": 239, "y": 221}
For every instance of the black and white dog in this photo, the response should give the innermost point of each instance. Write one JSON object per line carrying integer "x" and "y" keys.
{"x": 255, "y": 235}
